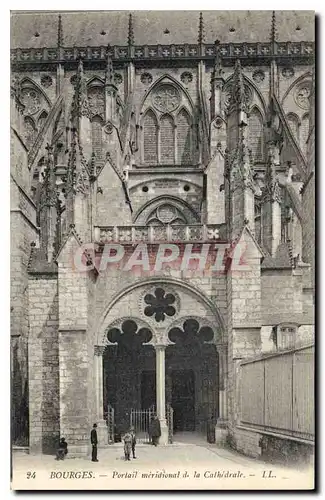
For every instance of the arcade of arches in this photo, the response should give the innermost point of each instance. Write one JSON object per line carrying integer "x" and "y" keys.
{"x": 141, "y": 368}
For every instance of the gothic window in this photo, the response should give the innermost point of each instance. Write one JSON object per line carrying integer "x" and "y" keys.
{"x": 167, "y": 140}
{"x": 96, "y": 101}
{"x": 42, "y": 119}
{"x": 150, "y": 138}
{"x": 293, "y": 122}
{"x": 30, "y": 131}
{"x": 183, "y": 138}
{"x": 97, "y": 139}
{"x": 255, "y": 134}
{"x": 304, "y": 133}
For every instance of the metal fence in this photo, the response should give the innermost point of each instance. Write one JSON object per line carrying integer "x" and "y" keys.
{"x": 140, "y": 420}
{"x": 110, "y": 424}
{"x": 276, "y": 393}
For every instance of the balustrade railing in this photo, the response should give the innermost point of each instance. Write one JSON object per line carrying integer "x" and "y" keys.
{"x": 189, "y": 51}
{"x": 157, "y": 234}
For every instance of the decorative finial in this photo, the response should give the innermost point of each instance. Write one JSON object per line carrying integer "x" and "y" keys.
{"x": 60, "y": 32}
{"x": 201, "y": 30}
{"x": 218, "y": 71}
{"x": 273, "y": 27}
{"x": 130, "y": 31}
{"x": 109, "y": 76}
{"x": 238, "y": 97}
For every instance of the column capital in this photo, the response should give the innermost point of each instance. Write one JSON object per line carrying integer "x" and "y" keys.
{"x": 160, "y": 347}
{"x": 222, "y": 348}
{"x": 99, "y": 350}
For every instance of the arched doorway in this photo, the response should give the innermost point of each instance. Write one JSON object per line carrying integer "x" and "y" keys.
{"x": 159, "y": 356}
{"x": 192, "y": 376}
{"x": 125, "y": 360}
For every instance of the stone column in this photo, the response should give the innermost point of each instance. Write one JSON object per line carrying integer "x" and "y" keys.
{"x": 161, "y": 392}
{"x": 102, "y": 431}
{"x": 222, "y": 351}
{"x": 221, "y": 427}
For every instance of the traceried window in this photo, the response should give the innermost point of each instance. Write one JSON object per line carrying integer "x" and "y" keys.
{"x": 167, "y": 140}
{"x": 42, "y": 119}
{"x": 97, "y": 139}
{"x": 167, "y": 127}
{"x": 166, "y": 214}
{"x": 150, "y": 138}
{"x": 255, "y": 134}
{"x": 30, "y": 131}
{"x": 183, "y": 138}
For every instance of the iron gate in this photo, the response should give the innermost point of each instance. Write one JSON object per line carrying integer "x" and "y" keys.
{"x": 140, "y": 420}
{"x": 110, "y": 424}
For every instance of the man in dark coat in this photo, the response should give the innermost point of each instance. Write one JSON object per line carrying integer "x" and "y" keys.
{"x": 62, "y": 451}
{"x": 154, "y": 430}
{"x": 94, "y": 442}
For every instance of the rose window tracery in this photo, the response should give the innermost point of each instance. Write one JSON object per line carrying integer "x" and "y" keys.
{"x": 166, "y": 214}
{"x": 166, "y": 98}
{"x": 302, "y": 96}
{"x": 159, "y": 304}
{"x": 31, "y": 100}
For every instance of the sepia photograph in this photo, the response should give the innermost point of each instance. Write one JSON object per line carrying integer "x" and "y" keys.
{"x": 162, "y": 250}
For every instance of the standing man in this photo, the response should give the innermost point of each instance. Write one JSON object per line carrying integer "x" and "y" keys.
{"x": 154, "y": 430}
{"x": 94, "y": 442}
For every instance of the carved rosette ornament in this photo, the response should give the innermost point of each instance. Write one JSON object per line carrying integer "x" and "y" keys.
{"x": 146, "y": 78}
{"x": 258, "y": 76}
{"x": 288, "y": 72}
{"x": 46, "y": 81}
{"x": 186, "y": 77}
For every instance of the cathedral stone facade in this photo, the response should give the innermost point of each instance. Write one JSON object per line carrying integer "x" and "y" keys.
{"x": 151, "y": 133}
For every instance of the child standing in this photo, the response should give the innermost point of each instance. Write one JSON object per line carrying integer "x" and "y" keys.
{"x": 127, "y": 438}
{"x": 134, "y": 441}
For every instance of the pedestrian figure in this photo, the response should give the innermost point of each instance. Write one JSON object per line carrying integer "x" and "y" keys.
{"x": 154, "y": 430}
{"x": 94, "y": 442}
{"x": 62, "y": 451}
{"x": 127, "y": 438}
{"x": 134, "y": 441}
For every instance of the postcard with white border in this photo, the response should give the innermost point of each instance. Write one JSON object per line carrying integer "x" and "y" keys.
{"x": 162, "y": 250}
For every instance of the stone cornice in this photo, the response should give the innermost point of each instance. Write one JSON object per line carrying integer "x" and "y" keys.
{"x": 254, "y": 52}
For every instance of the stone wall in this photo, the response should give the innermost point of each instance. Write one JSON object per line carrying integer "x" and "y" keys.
{"x": 23, "y": 231}
{"x": 76, "y": 350}
{"x": 43, "y": 360}
{"x": 281, "y": 293}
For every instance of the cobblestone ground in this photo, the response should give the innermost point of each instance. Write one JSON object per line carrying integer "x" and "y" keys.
{"x": 177, "y": 466}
